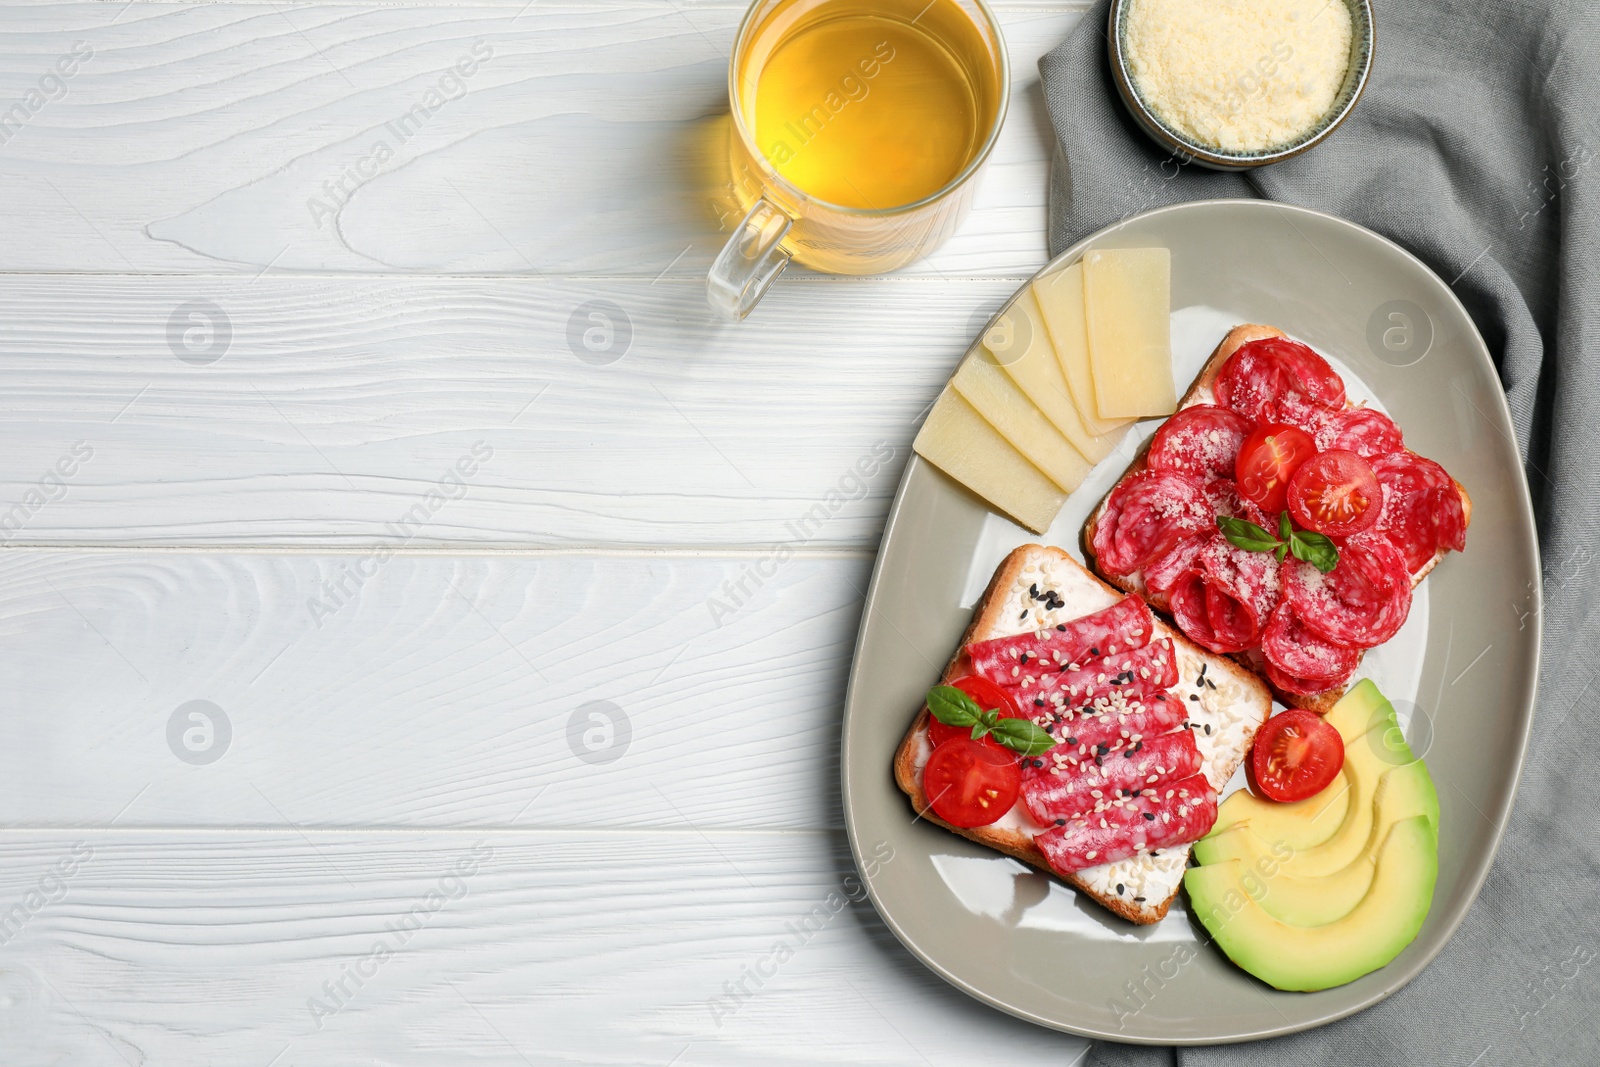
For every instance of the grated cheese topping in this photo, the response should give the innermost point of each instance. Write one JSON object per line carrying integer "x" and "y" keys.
{"x": 1239, "y": 75}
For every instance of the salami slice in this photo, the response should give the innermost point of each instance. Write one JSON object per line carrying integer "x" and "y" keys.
{"x": 1362, "y": 602}
{"x": 1117, "y": 828}
{"x": 1253, "y": 577}
{"x": 1163, "y": 572}
{"x": 1279, "y": 380}
{"x": 1450, "y": 517}
{"x": 1367, "y": 433}
{"x": 1141, "y": 673}
{"x": 1115, "y": 719}
{"x": 1224, "y": 498}
{"x": 1224, "y": 599}
{"x": 1124, "y": 626}
{"x": 1211, "y": 614}
{"x": 1146, "y": 516}
{"x": 1422, "y": 509}
{"x": 1201, "y": 440}
{"x": 1289, "y": 683}
{"x": 1306, "y": 662}
{"x": 1067, "y": 781}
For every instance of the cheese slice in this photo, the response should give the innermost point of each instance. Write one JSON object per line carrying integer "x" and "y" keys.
{"x": 1060, "y": 297}
{"x": 957, "y": 440}
{"x": 1128, "y": 305}
{"x": 1020, "y": 345}
{"x": 993, "y": 394}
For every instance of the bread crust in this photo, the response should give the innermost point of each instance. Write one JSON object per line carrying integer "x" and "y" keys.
{"x": 1236, "y": 338}
{"x": 1015, "y": 843}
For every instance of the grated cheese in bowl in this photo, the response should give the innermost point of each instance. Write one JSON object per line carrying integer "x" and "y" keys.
{"x": 1239, "y": 76}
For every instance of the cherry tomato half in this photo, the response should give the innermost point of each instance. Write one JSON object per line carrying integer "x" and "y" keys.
{"x": 987, "y": 696}
{"x": 1296, "y": 755}
{"x": 1267, "y": 460}
{"x": 969, "y": 783}
{"x": 1335, "y": 493}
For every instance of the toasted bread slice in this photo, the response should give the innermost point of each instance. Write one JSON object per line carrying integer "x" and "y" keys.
{"x": 1227, "y": 714}
{"x": 1200, "y": 393}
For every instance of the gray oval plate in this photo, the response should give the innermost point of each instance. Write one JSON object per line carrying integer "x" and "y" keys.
{"x": 1464, "y": 671}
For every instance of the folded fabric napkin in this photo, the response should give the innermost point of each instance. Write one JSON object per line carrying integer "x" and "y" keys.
{"x": 1477, "y": 148}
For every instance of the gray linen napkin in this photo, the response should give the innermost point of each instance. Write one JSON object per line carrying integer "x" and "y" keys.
{"x": 1476, "y": 147}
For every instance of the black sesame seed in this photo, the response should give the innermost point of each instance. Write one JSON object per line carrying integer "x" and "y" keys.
{"x": 1211, "y": 683}
{"x": 1038, "y": 702}
{"x": 1094, "y": 652}
{"x": 1072, "y": 740}
{"x": 1024, "y": 614}
{"x": 1141, "y": 899}
{"x": 1061, "y": 822}
{"x": 1150, "y": 816}
{"x": 1119, "y": 889}
{"x": 1194, "y": 696}
{"x": 1161, "y": 696}
{"x": 1208, "y": 729}
{"x": 1033, "y": 591}
{"x": 1062, "y": 627}
{"x": 1203, "y": 667}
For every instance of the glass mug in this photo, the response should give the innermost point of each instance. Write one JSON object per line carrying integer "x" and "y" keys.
{"x": 859, "y": 130}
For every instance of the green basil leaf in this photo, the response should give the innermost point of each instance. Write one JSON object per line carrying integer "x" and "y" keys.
{"x": 1285, "y": 528}
{"x": 952, "y": 707}
{"x": 1316, "y": 549}
{"x": 1246, "y": 535}
{"x": 1023, "y": 736}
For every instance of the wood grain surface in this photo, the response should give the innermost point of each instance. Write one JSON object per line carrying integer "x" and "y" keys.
{"x": 398, "y": 555}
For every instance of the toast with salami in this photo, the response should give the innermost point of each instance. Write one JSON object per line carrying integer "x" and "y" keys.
{"x": 1238, "y": 602}
{"x": 1199, "y": 726}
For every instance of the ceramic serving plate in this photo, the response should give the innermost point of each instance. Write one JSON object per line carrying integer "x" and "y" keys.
{"x": 1462, "y": 672}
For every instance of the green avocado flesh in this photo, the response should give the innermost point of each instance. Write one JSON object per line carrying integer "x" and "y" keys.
{"x": 1312, "y": 821}
{"x": 1333, "y": 865}
{"x": 1308, "y": 958}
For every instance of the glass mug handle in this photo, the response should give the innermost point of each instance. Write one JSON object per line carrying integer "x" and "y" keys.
{"x": 749, "y": 263}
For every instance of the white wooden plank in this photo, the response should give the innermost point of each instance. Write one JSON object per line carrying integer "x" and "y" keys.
{"x": 204, "y": 137}
{"x": 440, "y": 691}
{"x": 533, "y": 949}
{"x": 337, "y": 405}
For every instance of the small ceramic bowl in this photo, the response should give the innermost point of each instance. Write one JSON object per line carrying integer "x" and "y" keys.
{"x": 1189, "y": 151}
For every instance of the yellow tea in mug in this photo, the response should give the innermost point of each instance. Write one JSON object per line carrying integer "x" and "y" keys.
{"x": 869, "y": 104}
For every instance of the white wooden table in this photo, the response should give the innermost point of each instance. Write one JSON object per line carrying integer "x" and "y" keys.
{"x": 516, "y": 745}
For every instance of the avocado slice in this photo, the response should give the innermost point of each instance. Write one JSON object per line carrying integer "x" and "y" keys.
{"x": 1290, "y": 898}
{"x": 1359, "y": 710}
{"x": 1308, "y": 958}
{"x": 1400, "y": 793}
{"x": 1312, "y": 821}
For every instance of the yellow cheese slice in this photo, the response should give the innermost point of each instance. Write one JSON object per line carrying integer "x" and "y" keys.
{"x": 957, "y": 440}
{"x": 1005, "y": 407}
{"x": 1060, "y": 297}
{"x": 1019, "y": 343}
{"x": 1128, "y": 304}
